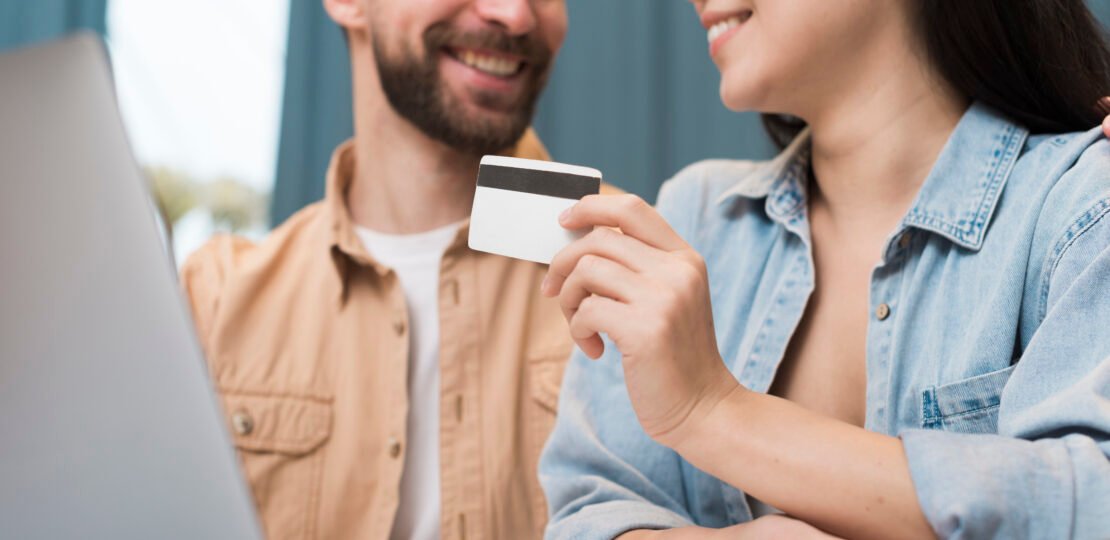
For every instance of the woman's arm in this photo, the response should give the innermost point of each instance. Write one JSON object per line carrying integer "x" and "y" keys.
{"x": 836, "y": 476}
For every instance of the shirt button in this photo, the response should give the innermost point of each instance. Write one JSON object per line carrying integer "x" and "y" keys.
{"x": 242, "y": 423}
{"x": 904, "y": 241}
{"x": 882, "y": 312}
{"x": 394, "y": 447}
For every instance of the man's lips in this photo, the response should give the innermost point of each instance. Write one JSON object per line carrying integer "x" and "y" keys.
{"x": 492, "y": 63}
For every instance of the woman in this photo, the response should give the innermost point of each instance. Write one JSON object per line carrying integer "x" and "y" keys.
{"x": 910, "y": 302}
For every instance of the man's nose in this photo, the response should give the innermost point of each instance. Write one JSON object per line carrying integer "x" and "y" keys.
{"x": 517, "y": 16}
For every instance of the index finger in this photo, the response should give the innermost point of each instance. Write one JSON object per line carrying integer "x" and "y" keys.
{"x": 629, "y": 213}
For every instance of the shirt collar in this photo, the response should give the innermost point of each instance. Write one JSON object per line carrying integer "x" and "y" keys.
{"x": 780, "y": 173}
{"x": 957, "y": 199}
{"x": 344, "y": 246}
{"x": 961, "y": 193}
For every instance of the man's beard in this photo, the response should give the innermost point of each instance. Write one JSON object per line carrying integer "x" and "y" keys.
{"x": 416, "y": 91}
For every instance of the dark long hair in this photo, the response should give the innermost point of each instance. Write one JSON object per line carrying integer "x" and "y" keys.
{"x": 1044, "y": 63}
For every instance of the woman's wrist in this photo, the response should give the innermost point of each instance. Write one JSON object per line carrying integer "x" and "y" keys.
{"x": 714, "y": 413}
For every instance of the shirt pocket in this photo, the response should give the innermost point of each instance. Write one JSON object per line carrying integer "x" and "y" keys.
{"x": 966, "y": 406}
{"x": 545, "y": 377}
{"x": 279, "y": 442}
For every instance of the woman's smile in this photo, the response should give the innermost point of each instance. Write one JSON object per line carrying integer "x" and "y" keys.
{"x": 722, "y": 26}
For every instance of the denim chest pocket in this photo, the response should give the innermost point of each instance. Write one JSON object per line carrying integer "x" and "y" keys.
{"x": 280, "y": 442}
{"x": 966, "y": 406}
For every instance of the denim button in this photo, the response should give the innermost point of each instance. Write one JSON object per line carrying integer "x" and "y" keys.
{"x": 882, "y": 312}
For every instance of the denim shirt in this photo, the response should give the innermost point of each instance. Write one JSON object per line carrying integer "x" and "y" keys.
{"x": 988, "y": 343}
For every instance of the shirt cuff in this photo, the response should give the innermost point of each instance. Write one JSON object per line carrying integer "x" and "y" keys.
{"x": 988, "y": 486}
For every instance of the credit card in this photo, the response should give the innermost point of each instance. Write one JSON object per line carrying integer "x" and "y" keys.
{"x": 518, "y": 202}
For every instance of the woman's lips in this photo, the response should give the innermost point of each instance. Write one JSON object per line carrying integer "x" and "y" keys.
{"x": 725, "y": 29}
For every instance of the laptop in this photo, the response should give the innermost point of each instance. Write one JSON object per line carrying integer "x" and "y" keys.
{"x": 109, "y": 425}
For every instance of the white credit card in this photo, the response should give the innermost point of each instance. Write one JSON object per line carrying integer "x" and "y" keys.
{"x": 518, "y": 202}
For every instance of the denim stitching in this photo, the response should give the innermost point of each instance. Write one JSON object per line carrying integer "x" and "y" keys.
{"x": 930, "y": 410}
{"x": 997, "y": 174}
{"x": 970, "y": 411}
{"x": 1078, "y": 228}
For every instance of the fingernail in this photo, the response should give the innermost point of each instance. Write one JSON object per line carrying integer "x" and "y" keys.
{"x": 565, "y": 215}
{"x": 543, "y": 285}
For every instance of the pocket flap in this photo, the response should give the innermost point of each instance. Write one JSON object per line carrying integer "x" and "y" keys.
{"x": 967, "y": 395}
{"x": 288, "y": 425}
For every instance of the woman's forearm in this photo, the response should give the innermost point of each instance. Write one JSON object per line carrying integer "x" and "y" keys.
{"x": 841, "y": 478}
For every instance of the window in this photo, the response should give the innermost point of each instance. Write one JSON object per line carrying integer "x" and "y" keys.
{"x": 200, "y": 86}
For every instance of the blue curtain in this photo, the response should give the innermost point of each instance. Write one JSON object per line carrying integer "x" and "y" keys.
{"x": 316, "y": 114}
{"x": 23, "y": 22}
{"x": 633, "y": 94}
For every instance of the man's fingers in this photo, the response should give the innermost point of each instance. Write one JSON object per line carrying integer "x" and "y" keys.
{"x": 603, "y": 242}
{"x": 628, "y": 213}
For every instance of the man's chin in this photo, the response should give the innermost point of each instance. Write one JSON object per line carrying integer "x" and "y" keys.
{"x": 483, "y": 138}
{"x": 492, "y": 122}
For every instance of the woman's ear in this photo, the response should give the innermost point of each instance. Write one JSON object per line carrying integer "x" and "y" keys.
{"x": 349, "y": 14}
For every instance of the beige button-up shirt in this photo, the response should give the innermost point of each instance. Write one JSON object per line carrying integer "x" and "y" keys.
{"x": 306, "y": 338}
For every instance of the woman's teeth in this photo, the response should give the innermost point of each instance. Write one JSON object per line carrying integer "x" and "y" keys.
{"x": 493, "y": 65}
{"x": 724, "y": 26}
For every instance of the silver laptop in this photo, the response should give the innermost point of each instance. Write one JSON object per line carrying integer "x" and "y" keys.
{"x": 109, "y": 426}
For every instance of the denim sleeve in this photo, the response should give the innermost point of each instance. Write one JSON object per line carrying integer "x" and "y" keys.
{"x": 602, "y": 475}
{"x": 1046, "y": 474}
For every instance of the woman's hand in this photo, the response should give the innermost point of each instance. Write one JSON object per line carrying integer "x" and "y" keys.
{"x": 1105, "y": 103}
{"x": 648, "y": 291}
{"x": 772, "y": 527}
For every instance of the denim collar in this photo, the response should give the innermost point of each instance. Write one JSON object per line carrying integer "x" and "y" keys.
{"x": 956, "y": 201}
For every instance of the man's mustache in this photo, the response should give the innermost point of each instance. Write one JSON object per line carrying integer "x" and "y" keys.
{"x": 534, "y": 52}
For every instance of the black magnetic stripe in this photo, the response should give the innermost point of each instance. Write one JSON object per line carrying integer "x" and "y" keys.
{"x": 553, "y": 184}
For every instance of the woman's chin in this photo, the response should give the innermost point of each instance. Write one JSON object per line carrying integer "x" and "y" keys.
{"x": 744, "y": 93}
{"x": 738, "y": 101}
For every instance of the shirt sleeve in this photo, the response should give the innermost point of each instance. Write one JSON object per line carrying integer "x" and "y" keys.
{"x": 1046, "y": 474}
{"x": 602, "y": 475}
{"x": 202, "y": 279}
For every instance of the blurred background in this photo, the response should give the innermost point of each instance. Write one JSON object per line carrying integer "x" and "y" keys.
{"x": 234, "y": 106}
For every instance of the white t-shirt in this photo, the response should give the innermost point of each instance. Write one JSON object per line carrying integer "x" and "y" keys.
{"x": 415, "y": 258}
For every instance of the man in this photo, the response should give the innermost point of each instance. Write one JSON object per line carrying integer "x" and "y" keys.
{"x": 380, "y": 379}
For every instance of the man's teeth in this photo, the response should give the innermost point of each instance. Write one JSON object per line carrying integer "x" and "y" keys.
{"x": 493, "y": 65}
{"x": 724, "y": 26}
